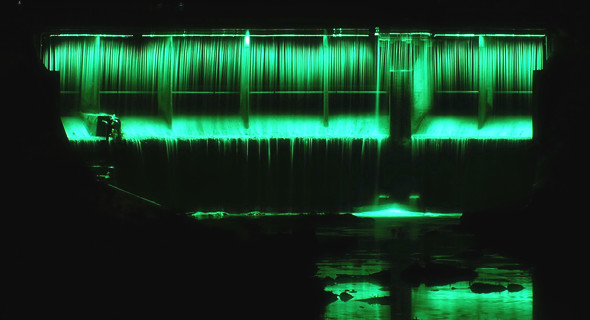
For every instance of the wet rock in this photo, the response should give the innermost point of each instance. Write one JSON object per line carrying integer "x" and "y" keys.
{"x": 514, "y": 287}
{"x": 345, "y": 296}
{"x": 327, "y": 281}
{"x": 486, "y": 288}
{"x": 328, "y": 297}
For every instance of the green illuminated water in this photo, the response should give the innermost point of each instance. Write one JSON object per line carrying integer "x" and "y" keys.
{"x": 466, "y": 128}
{"x": 271, "y": 71}
{"x": 155, "y": 66}
{"x": 444, "y": 133}
{"x": 389, "y": 244}
{"x": 282, "y": 64}
{"x": 509, "y": 62}
{"x": 248, "y": 90}
{"x": 231, "y": 128}
{"x": 456, "y": 65}
{"x": 458, "y": 302}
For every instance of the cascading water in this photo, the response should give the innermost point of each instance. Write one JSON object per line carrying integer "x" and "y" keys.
{"x": 274, "y": 100}
{"x": 281, "y": 147}
{"x": 475, "y": 140}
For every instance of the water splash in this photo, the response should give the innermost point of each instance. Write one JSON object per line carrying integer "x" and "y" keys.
{"x": 135, "y": 128}
{"x": 441, "y": 132}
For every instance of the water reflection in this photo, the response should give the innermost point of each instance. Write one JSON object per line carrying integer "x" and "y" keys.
{"x": 404, "y": 267}
{"x": 366, "y": 276}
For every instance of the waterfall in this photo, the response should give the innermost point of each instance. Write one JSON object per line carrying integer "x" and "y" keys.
{"x": 239, "y": 105}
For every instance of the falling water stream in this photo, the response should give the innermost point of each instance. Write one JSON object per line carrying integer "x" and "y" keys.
{"x": 260, "y": 122}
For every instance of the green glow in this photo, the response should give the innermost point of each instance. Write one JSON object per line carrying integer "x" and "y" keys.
{"x": 303, "y": 64}
{"x": 207, "y": 64}
{"x": 516, "y": 35}
{"x": 91, "y": 35}
{"x": 261, "y": 127}
{"x": 352, "y": 64}
{"x": 192, "y": 35}
{"x": 66, "y": 57}
{"x": 400, "y": 211}
{"x": 457, "y": 300}
{"x": 509, "y": 64}
{"x": 456, "y": 35}
{"x": 457, "y": 91}
{"x": 456, "y": 65}
{"x": 350, "y": 35}
{"x": 509, "y": 128}
{"x": 356, "y": 308}
{"x": 285, "y": 65}
{"x": 490, "y": 35}
{"x": 288, "y": 35}
{"x": 486, "y": 65}
{"x": 389, "y": 211}
{"x": 409, "y": 33}
{"x": 247, "y": 39}
{"x": 286, "y": 92}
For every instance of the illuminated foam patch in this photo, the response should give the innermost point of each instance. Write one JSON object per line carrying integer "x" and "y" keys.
{"x": 199, "y": 215}
{"x": 400, "y": 211}
{"x": 509, "y": 128}
{"x": 391, "y": 211}
{"x": 232, "y": 127}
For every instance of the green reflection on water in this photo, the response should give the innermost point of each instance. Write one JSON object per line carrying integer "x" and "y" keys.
{"x": 355, "y": 308}
{"x": 458, "y": 302}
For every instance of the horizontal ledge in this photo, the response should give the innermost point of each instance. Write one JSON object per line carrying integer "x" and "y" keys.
{"x": 317, "y": 92}
{"x": 456, "y": 91}
{"x": 358, "y": 91}
{"x": 205, "y": 92}
{"x": 235, "y": 92}
{"x": 256, "y": 35}
{"x": 408, "y": 33}
{"x": 286, "y": 92}
{"x": 472, "y": 92}
{"x": 459, "y": 35}
{"x": 468, "y": 137}
{"x": 335, "y": 35}
{"x": 92, "y": 35}
{"x": 516, "y": 92}
{"x": 126, "y": 92}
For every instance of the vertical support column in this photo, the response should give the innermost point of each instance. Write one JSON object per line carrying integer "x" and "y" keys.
{"x": 378, "y": 82}
{"x": 90, "y": 86}
{"x": 165, "y": 81}
{"x": 401, "y": 91}
{"x": 326, "y": 51}
{"x": 539, "y": 117}
{"x": 422, "y": 88}
{"x": 485, "y": 95}
{"x": 245, "y": 82}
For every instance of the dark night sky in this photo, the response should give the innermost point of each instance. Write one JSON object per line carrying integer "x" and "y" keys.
{"x": 429, "y": 14}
